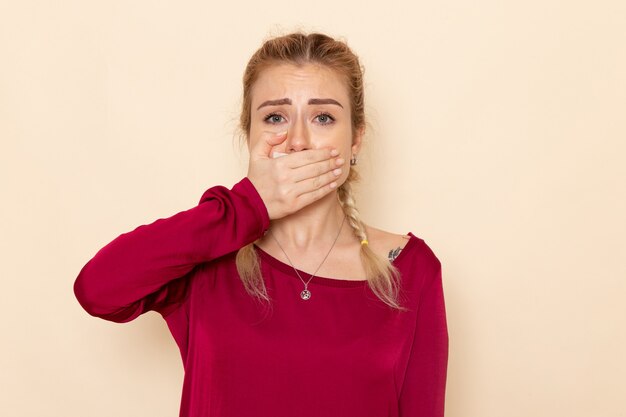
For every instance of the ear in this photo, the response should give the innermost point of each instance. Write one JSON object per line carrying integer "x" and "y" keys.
{"x": 357, "y": 140}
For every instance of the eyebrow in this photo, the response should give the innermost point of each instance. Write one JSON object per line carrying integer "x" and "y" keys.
{"x": 282, "y": 101}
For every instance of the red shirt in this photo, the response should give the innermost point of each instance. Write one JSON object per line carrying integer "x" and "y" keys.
{"x": 342, "y": 353}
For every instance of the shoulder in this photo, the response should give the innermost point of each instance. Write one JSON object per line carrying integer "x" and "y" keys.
{"x": 385, "y": 243}
{"x": 390, "y": 245}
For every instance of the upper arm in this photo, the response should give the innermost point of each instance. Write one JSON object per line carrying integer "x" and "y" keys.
{"x": 423, "y": 390}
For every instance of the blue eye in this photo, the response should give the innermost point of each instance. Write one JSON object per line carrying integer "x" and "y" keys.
{"x": 273, "y": 118}
{"x": 325, "y": 118}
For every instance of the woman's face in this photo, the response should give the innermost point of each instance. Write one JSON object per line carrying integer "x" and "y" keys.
{"x": 311, "y": 103}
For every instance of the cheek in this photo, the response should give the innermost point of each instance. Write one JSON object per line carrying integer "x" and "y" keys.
{"x": 255, "y": 129}
{"x": 338, "y": 138}
{"x": 260, "y": 131}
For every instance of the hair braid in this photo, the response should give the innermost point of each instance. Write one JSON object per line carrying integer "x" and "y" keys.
{"x": 348, "y": 204}
{"x": 383, "y": 278}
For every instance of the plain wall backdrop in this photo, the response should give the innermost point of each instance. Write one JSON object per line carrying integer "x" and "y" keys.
{"x": 497, "y": 135}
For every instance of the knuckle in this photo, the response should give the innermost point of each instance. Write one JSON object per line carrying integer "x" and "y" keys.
{"x": 282, "y": 177}
{"x": 283, "y": 193}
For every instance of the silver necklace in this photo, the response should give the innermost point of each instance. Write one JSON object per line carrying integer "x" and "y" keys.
{"x": 306, "y": 294}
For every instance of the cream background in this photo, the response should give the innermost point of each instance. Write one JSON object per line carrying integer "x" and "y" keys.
{"x": 498, "y": 136}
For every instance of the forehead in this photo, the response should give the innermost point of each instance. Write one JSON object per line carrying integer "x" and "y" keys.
{"x": 306, "y": 81}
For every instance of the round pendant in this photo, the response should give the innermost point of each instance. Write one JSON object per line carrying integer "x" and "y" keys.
{"x": 305, "y": 294}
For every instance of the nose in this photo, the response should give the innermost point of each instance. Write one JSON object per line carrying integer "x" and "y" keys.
{"x": 298, "y": 137}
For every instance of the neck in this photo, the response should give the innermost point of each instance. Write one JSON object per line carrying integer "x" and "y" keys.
{"x": 316, "y": 223}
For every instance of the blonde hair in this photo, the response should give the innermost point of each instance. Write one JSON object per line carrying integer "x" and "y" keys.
{"x": 299, "y": 48}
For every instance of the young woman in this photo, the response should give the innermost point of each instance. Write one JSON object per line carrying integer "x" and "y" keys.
{"x": 282, "y": 301}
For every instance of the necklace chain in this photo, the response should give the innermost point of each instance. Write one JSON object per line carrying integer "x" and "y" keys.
{"x": 306, "y": 294}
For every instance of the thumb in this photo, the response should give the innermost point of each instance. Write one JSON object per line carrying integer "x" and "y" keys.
{"x": 268, "y": 140}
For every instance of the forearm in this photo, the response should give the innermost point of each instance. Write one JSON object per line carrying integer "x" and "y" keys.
{"x": 140, "y": 262}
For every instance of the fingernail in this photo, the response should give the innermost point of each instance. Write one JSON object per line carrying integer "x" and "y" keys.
{"x": 334, "y": 152}
{"x": 333, "y": 184}
{"x": 339, "y": 161}
{"x": 284, "y": 132}
{"x": 337, "y": 172}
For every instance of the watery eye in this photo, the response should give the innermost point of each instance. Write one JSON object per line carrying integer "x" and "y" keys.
{"x": 274, "y": 118}
{"x": 325, "y": 118}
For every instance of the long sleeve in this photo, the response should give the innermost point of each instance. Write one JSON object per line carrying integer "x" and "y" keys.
{"x": 145, "y": 269}
{"x": 423, "y": 390}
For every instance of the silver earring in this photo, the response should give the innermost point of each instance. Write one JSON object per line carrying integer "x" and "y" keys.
{"x": 353, "y": 160}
